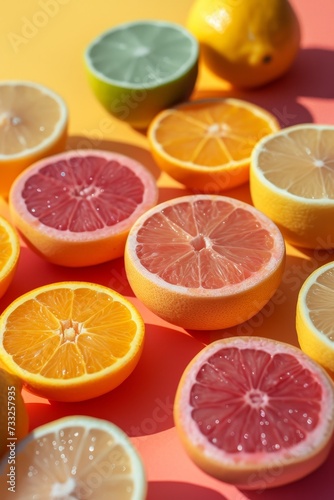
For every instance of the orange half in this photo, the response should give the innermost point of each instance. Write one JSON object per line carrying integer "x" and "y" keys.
{"x": 9, "y": 254}
{"x": 206, "y": 145}
{"x": 71, "y": 341}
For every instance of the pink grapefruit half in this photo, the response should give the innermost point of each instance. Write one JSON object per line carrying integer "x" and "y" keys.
{"x": 255, "y": 412}
{"x": 76, "y": 208}
{"x": 204, "y": 262}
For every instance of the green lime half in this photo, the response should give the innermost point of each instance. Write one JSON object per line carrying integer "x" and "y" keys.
{"x": 139, "y": 68}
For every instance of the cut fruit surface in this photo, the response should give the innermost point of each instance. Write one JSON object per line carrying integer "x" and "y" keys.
{"x": 33, "y": 125}
{"x": 291, "y": 181}
{"x": 9, "y": 254}
{"x": 137, "y": 69}
{"x": 76, "y": 457}
{"x": 204, "y": 261}
{"x": 255, "y": 412}
{"x": 315, "y": 316}
{"x": 71, "y": 341}
{"x": 206, "y": 145}
{"x": 76, "y": 208}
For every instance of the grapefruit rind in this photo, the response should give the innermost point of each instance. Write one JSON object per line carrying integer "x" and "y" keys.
{"x": 204, "y": 309}
{"x": 255, "y": 470}
{"x": 88, "y": 385}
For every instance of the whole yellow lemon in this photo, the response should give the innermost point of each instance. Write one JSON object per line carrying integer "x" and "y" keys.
{"x": 246, "y": 42}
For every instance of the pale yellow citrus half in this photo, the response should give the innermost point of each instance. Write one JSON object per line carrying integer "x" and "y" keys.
{"x": 33, "y": 125}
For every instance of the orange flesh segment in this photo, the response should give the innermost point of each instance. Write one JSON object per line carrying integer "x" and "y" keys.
{"x": 27, "y": 118}
{"x": 211, "y": 134}
{"x": 83, "y": 193}
{"x": 204, "y": 244}
{"x": 301, "y": 162}
{"x": 84, "y": 333}
{"x": 6, "y": 248}
{"x": 75, "y": 450}
{"x": 273, "y": 395}
{"x": 319, "y": 300}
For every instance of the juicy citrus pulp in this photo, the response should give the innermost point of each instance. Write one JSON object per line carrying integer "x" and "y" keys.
{"x": 77, "y": 457}
{"x": 76, "y": 208}
{"x": 136, "y": 69}
{"x": 204, "y": 261}
{"x": 9, "y": 254}
{"x": 206, "y": 145}
{"x": 291, "y": 181}
{"x": 315, "y": 316}
{"x": 250, "y": 410}
{"x": 33, "y": 124}
{"x": 246, "y": 43}
{"x": 71, "y": 341}
{"x": 14, "y": 419}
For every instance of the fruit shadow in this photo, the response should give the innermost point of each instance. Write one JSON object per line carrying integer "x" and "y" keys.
{"x": 33, "y": 271}
{"x": 310, "y": 76}
{"x": 276, "y": 320}
{"x": 165, "y": 490}
{"x": 143, "y": 404}
{"x": 318, "y": 484}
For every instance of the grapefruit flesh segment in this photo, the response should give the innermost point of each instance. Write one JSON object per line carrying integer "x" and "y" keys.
{"x": 204, "y": 261}
{"x": 251, "y": 408}
{"x": 76, "y": 208}
{"x": 83, "y": 196}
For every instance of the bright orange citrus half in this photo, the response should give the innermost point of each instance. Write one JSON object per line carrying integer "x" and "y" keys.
{"x": 206, "y": 145}
{"x": 76, "y": 457}
{"x": 71, "y": 341}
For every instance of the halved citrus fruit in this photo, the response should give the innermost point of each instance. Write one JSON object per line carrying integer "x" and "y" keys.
{"x": 33, "y": 125}
{"x": 255, "y": 412}
{"x": 204, "y": 261}
{"x": 76, "y": 457}
{"x": 71, "y": 341}
{"x": 76, "y": 208}
{"x": 292, "y": 181}
{"x": 9, "y": 254}
{"x": 315, "y": 316}
{"x": 206, "y": 145}
{"x": 137, "y": 69}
